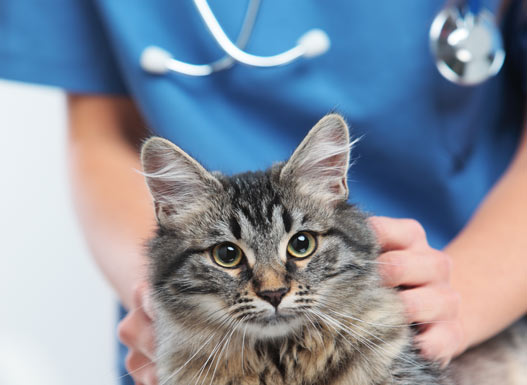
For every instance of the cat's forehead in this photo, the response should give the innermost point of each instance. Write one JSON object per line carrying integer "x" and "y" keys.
{"x": 255, "y": 200}
{"x": 259, "y": 205}
{"x": 251, "y": 187}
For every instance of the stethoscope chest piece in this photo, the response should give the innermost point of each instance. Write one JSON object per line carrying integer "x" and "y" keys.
{"x": 468, "y": 48}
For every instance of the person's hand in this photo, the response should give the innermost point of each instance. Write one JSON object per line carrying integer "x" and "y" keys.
{"x": 137, "y": 333}
{"x": 423, "y": 275}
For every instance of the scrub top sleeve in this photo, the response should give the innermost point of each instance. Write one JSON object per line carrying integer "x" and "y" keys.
{"x": 58, "y": 43}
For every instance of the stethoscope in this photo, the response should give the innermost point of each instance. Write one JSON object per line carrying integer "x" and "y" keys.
{"x": 464, "y": 39}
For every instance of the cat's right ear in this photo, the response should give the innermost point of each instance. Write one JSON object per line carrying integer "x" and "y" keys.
{"x": 176, "y": 181}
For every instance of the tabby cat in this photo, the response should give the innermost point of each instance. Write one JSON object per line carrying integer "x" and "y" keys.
{"x": 270, "y": 277}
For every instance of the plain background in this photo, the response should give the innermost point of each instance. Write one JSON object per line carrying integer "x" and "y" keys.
{"x": 57, "y": 315}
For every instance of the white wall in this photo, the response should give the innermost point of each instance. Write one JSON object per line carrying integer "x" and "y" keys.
{"x": 56, "y": 313}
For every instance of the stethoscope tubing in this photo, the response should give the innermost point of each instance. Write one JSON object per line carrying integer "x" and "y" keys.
{"x": 155, "y": 60}
{"x": 224, "y": 63}
{"x": 236, "y": 53}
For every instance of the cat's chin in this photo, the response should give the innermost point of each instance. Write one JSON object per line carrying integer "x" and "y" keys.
{"x": 274, "y": 326}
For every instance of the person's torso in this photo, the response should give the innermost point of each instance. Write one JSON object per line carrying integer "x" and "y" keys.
{"x": 428, "y": 150}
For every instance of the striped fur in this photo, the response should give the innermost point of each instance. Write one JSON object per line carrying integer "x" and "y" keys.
{"x": 335, "y": 325}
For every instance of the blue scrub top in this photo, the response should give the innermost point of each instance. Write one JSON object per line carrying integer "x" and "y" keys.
{"x": 430, "y": 150}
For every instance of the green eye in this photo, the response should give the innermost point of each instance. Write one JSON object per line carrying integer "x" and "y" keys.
{"x": 227, "y": 255}
{"x": 302, "y": 245}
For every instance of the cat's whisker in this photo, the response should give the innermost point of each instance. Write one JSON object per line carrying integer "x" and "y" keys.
{"x": 391, "y": 326}
{"x": 211, "y": 336}
{"x": 330, "y": 320}
{"x": 157, "y": 358}
{"x": 217, "y": 356}
{"x": 377, "y": 311}
{"x": 369, "y": 344}
{"x": 402, "y": 356}
{"x": 225, "y": 348}
{"x": 224, "y": 345}
{"x": 243, "y": 348}
{"x": 355, "y": 348}
{"x": 376, "y": 262}
{"x": 186, "y": 363}
{"x": 208, "y": 321}
{"x": 313, "y": 324}
{"x": 347, "y": 327}
{"x": 212, "y": 354}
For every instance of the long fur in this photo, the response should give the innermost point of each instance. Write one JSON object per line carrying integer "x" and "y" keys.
{"x": 335, "y": 325}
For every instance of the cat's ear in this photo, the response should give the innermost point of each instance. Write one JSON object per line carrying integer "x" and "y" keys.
{"x": 176, "y": 181}
{"x": 319, "y": 165}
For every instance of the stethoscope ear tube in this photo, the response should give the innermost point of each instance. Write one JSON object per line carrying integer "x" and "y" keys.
{"x": 158, "y": 61}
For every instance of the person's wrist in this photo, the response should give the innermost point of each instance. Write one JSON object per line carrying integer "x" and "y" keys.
{"x": 466, "y": 331}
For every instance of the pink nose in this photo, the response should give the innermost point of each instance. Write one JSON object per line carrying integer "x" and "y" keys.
{"x": 274, "y": 297}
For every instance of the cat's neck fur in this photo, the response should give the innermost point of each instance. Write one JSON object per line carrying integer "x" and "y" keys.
{"x": 340, "y": 350}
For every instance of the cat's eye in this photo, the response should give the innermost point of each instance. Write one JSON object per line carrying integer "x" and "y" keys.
{"x": 227, "y": 255}
{"x": 302, "y": 245}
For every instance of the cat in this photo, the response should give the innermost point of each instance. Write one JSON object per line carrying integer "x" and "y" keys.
{"x": 269, "y": 278}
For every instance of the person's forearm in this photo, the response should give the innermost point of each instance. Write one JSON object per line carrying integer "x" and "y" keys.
{"x": 111, "y": 198}
{"x": 490, "y": 256}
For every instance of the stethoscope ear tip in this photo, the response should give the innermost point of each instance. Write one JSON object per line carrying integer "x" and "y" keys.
{"x": 154, "y": 60}
{"x": 315, "y": 42}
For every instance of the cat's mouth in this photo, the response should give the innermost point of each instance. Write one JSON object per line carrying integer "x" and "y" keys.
{"x": 277, "y": 317}
{"x": 276, "y": 324}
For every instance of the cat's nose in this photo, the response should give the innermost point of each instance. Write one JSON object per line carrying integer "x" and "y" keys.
{"x": 274, "y": 297}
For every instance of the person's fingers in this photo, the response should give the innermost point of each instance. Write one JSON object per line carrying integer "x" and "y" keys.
{"x": 151, "y": 376}
{"x": 397, "y": 234}
{"x": 135, "y": 362}
{"x": 136, "y": 331}
{"x": 402, "y": 268}
{"x": 440, "y": 342}
{"x": 148, "y": 375}
{"x": 125, "y": 330}
{"x": 147, "y": 304}
{"x": 141, "y": 368}
{"x": 142, "y": 299}
{"x": 430, "y": 304}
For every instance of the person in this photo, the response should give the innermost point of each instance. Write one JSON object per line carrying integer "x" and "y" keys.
{"x": 450, "y": 158}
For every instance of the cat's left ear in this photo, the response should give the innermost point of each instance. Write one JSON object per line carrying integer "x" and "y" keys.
{"x": 319, "y": 165}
